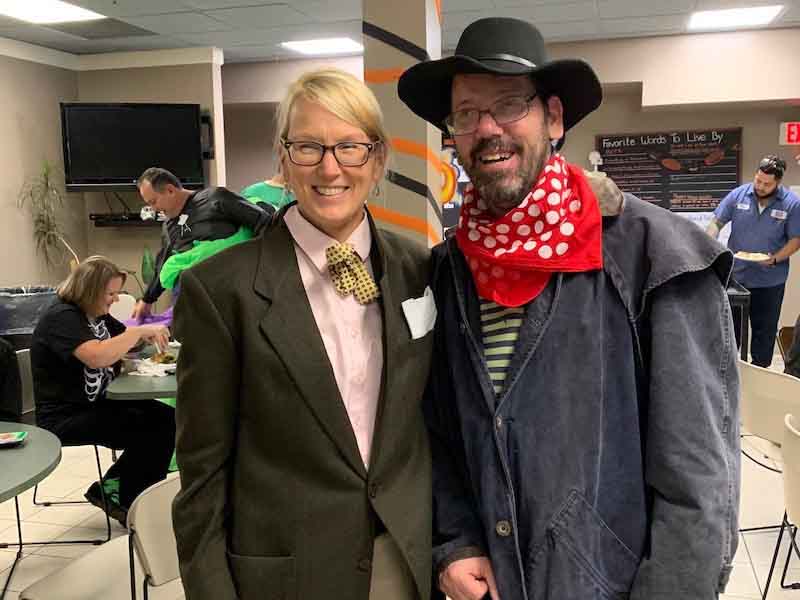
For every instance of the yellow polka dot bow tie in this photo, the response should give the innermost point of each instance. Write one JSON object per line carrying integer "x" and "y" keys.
{"x": 349, "y": 274}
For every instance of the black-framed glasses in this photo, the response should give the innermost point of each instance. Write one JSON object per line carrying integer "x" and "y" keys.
{"x": 772, "y": 165}
{"x": 347, "y": 154}
{"x": 505, "y": 110}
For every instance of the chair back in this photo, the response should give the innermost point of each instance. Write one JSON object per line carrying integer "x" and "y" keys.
{"x": 767, "y": 397}
{"x": 791, "y": 467}
{"x": 26, "y": 379}
{"x": 123, "y": 308}
{"x": 785, "y": 337}
{"x": 150, "y": 523}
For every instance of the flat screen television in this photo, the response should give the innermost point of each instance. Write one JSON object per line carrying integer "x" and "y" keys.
{"x": 107, "y": 146}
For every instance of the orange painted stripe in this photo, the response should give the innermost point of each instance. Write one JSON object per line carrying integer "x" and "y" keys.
{"x": 382, "y": 75}
{"x": 439, "y": 10}
{"x": 405, "y": 222}
{"x": 412, "y": 148}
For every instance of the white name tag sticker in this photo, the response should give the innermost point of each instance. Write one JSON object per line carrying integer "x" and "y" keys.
{"x": 743, "y": 206}
{"x": 420, "y": 313}
{"x": 778, "y": 214}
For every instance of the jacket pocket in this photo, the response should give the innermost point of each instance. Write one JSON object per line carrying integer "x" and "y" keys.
{"x": 580, "y": 558}
{"x": 264, "y": 577}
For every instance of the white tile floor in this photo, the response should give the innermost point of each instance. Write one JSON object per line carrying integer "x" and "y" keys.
{"x": 761, "y": 504}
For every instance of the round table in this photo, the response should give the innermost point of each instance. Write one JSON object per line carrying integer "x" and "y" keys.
{"x": 28, "y": 463}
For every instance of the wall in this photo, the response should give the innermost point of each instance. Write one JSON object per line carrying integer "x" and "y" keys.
{"x": 191, "y": 83}
{"x": 622, "y": 113}
{"x": 30, "y": 130}
{"x": 249, "y": 131}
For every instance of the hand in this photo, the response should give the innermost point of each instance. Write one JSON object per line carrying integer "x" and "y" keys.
{"x": 768, "y": 262}
{"x": 469, "y": 579}
{"x": 157, "y": 335}
{"x": 141, "y": 310}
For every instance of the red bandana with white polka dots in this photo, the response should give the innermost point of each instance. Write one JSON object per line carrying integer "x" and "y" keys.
{"x": 556, "y": 228}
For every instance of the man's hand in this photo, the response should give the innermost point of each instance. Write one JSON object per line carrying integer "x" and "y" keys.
{"x": 140, "y": 311}
{"x": 469, "y": 579}
{"x": 768, "y": 262}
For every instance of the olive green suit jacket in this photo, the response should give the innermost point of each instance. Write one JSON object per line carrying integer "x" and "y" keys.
{"x": 275, "y": 501}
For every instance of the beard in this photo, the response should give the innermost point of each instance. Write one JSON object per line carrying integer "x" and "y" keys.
{"x": 505, "y": 190}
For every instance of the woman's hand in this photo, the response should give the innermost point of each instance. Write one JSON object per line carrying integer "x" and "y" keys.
{"x": 158, "y": 335}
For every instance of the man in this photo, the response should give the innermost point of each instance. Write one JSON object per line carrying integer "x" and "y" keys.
{"x": 210, "y": 214}
{"x": 583, "y": 399}
{"x": 765, "y": 219}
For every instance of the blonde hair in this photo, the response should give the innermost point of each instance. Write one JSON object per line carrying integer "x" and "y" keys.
{"x": 345, "y": 96}
{"x": 87, "y": 283}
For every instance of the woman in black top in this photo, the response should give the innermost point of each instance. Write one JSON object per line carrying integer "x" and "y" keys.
{"x": 76, "y": 352}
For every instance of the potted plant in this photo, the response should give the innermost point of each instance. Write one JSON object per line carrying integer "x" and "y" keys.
{"x": 43, "y": 195}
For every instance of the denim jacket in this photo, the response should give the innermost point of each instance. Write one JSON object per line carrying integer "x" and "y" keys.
{"x": 609, "y": 466}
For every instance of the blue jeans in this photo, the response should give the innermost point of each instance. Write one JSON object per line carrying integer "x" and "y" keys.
{"x": 765, "y": 310}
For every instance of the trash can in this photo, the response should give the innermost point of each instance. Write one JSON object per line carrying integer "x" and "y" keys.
{"x": 20, "y": 309}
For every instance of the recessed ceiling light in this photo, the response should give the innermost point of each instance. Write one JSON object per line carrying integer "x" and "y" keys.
{"x": 734, "y": 17}
{"x": 46, "y": 11}
{"x": 326, "y": 46}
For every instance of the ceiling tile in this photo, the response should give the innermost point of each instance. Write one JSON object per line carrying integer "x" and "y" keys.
{"x": 644, "y": 26}
{"x": 623, "y": 9}
{"x": 460, "y": 19}
{"x": 187, "y": 22}
{"x": 462, "y": 5}
{"x": 132, "y": 8}
{"x": 573, "y": 30}
{"x": 273, "y": 15}
{"x": 212, "y": 4}
{"x": 550, "y": 13}
{"x": 326, "y": 11}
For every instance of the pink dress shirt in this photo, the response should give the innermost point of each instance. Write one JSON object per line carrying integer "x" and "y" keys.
{"x": 352, "y": 333}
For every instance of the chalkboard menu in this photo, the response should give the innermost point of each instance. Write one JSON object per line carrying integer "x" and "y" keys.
{"x": 678, "y": 170}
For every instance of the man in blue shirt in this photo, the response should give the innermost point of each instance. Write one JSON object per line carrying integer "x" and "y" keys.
{"x": 765, "y": 219}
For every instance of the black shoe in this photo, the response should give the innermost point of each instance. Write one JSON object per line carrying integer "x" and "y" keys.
{"x": 114, "y": 510}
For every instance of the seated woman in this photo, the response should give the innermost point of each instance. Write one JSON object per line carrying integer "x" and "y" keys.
{"x": 76, "y": 350}
{"x": 305, "y": 470}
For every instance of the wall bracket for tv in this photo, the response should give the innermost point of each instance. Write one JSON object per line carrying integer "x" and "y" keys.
{"x": 208, "y": 139}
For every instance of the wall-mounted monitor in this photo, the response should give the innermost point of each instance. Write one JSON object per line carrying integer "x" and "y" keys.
{"x": 107, "y": 146}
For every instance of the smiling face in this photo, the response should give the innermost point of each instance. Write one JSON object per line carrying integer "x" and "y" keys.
{"x": 504, "y": 161}
{"x": 109, "y": 295}
{"x": 329, "y": 196}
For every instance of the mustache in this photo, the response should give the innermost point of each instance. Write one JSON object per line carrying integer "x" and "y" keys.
{"x": 494, "y": 144}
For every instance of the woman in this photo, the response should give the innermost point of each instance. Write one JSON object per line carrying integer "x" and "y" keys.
{"x": 76, "y": 351}
{"x": 305, "y": 468}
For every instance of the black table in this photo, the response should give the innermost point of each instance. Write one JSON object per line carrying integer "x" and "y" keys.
{"x": 22, "y": 467}
{"x": 739, "y": 299}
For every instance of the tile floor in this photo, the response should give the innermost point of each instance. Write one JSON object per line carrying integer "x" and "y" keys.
{"x": 761, "y": 504}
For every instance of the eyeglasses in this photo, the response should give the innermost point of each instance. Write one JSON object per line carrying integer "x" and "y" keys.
{"x": 507, "y": 110}
{"x": 772, "y": 165}
{"x": 347, "y": 154}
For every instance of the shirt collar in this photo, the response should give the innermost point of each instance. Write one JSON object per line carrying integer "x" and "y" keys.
{"x": 314, "y": 242}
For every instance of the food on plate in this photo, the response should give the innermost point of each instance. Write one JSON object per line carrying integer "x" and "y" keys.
{"x": 754, "y": 256}
{"x": 164, "y": 358}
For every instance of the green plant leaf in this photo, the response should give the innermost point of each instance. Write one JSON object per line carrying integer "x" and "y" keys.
{"x": 148, "y": 266}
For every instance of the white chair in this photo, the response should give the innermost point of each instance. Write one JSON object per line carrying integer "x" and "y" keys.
{"x": 143, "y": 562}
{"x": 791, "y": 495}
{"x": 123, "y": 308}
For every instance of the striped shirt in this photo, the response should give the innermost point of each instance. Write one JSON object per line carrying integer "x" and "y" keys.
{"x": 500, "y": 330}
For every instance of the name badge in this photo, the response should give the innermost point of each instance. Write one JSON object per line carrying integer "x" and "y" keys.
{"x": 778, "y": 214}
{"x": 743, "y": 206}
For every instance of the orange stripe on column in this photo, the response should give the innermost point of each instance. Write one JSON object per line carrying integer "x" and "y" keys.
{"x": 439, "y": 10}
{"x": 422, "y": 151}
{"x": 382, "y": 75}
{"x": 405, "y": 222}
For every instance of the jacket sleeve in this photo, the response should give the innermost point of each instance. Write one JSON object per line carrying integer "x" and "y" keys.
{"x": 205, "y": 415}
{"x": 692, "y": 460}
{"x": 457, "y": 531}
{"x": 242, "y": 212}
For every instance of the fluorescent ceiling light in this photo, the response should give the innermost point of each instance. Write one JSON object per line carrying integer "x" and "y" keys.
{"x": 46, "y": 11}
{"x": 326, "y": 46}
{"x": 734, "y": 17}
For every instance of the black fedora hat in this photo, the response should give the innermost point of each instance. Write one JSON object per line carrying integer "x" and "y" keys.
{"x": 500, "y": 46}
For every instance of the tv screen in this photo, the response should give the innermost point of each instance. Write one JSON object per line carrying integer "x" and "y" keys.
{"x": 107, "y": 146}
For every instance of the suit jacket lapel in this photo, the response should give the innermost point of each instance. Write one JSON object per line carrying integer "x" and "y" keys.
{"x": 289, "y": 326}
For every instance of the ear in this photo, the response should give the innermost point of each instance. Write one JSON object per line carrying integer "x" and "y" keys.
{"x": 379, "y": 156}
{"x": 555, "y": 118}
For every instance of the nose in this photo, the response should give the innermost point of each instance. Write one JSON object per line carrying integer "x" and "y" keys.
{"x": 487, "y": 126}
{"x": 329, "y": 166}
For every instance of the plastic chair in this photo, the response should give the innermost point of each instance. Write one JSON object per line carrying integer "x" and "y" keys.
{"x": 791, "y": 495}
{"x": 123, "y": 308}
{"x": 149, "y": 553}
{"x": 26, "y": 380}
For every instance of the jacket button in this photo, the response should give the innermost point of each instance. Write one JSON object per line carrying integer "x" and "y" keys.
{"x": 373, "y": 490}
{"x": 364, "y": 564}
{"x": 498, "y": 422}
{"x": 503, "y": 528}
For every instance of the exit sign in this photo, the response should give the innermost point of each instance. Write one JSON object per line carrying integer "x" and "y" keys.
{"x": 790, "y": 133}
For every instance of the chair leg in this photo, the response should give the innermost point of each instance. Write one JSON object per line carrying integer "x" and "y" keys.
{"x": 132, "y": 565}
{"x": 775, "y": 556}
{"x": 792, "y": 548}
{"x": 19, "y": 550}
